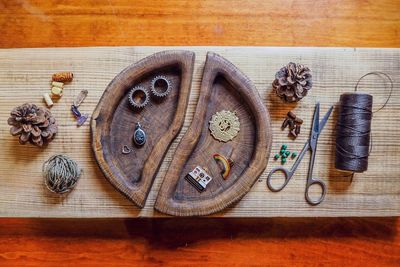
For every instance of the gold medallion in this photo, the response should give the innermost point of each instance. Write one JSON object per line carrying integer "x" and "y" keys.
{"x": 224, "y": 125}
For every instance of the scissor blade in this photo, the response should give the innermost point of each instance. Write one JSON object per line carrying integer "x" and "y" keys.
{"x": 315, "y": 125}
{"x": 325, "y": 119}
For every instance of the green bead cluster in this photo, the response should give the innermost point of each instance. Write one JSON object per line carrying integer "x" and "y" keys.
{"x": 284, "y": 154}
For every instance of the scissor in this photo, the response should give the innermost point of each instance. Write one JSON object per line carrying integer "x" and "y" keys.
{"x": 311, "y": 145}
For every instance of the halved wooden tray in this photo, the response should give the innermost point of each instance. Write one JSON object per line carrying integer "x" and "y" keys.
{"x": 113, "y": 122}
{"x": 223, "y": 87}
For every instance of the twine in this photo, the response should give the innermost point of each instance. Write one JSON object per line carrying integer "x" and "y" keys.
{"x": 60, "y": 173}
{"x": 353, "y": 132}
{"x": 353, "y": 135}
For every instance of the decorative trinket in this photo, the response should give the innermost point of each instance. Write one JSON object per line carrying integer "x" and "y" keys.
{"x": 48, "y": 100}
{"x": 63, "y": 77}
{"x": 57, "y": 84}
{"x": 292, "y": 82}
{"x": 284, "y": 154}
{"x": 160, "y": 86}
{"x": 80, "y": 97}
{"x": 126, "y": 150}
{"x": 198, "y": 178}
{"x": 80, "y": 118}
{"x": 224, "y": 125}
{"x": 32, "y": 123}
{"x": 139, "y": 136}
{"x": 56, "y": 91}
{"x": 75, "y": 111}
{"x": 138, "y": 97}
{"x": 294, "y": 124}
{"x": 226, "y": 165}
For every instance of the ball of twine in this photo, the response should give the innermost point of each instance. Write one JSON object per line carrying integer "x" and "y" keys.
{"x": 60, "y": 173}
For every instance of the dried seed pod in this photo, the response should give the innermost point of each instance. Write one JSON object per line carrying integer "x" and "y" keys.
{"x": 32, "y": 123}
{"x": 291, "y": 124}
{"x": 285, "y": 123}
{"x": 297, "y": 129}
{"x": 291, "y": 115}
{"x": 298, "y": 121}
{"x": 292, "y": 82}
{"x": 293, "y": 132}
{"x": 63, "y": 77}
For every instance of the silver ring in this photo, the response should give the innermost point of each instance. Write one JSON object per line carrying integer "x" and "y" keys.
{"x": 160, "y": 86}
{"x": 138, "y": 97}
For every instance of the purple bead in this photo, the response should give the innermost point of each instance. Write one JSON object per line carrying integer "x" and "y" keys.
{"x": 75, "y": 111}
{"x": 82, "y": 119}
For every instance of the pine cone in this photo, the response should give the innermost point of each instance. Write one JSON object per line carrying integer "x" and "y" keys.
{"x": 33, "y": 124}
{"x": 292, "y": 82}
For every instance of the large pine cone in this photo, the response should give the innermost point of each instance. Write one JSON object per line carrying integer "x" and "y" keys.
{"x": 33, "y": 124}
{"x": 292, "y": 82}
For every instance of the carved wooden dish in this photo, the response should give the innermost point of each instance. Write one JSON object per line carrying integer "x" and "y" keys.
{"x": 113, "y": 122}
{"x": 224, "y": 87}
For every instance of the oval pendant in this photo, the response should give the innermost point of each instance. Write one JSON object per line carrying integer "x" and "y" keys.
{"x": 139, "y": 136}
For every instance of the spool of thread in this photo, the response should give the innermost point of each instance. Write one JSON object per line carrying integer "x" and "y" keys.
{"x": 353, "y": 132}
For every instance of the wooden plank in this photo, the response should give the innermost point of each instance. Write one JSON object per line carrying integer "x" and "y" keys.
{"x": 25, "y": 73}
{"x": 200, "y": 242}
{"x": 207, "y": 22}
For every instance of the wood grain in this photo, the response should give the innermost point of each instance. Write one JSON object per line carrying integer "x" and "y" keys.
{"x": 223, "y": 87}
{"x": 113, "y": 122}
{"x": 279, "y": 242}
{"x": 335, "y": 71}
{"x": 344, "y": 23}
{"x": 200, "y": 242}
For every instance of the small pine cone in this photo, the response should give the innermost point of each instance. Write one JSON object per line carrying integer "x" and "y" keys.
{"x": 32, "y": 123}
{"x": 292, "y": 82}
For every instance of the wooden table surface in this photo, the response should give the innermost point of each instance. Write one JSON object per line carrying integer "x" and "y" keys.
{"x": 330, "y": 241}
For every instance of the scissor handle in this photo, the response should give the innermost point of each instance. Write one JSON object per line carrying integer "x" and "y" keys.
{"x": 288, "y": 175}
{"x": 313, "y": 181}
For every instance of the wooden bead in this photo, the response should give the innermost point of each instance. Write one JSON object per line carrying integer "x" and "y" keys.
{"x": 48, "y": 100}
{"x": 57, "y": 84}
{"x": 63, "y": 77}
{"x": 56, "y": 91}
